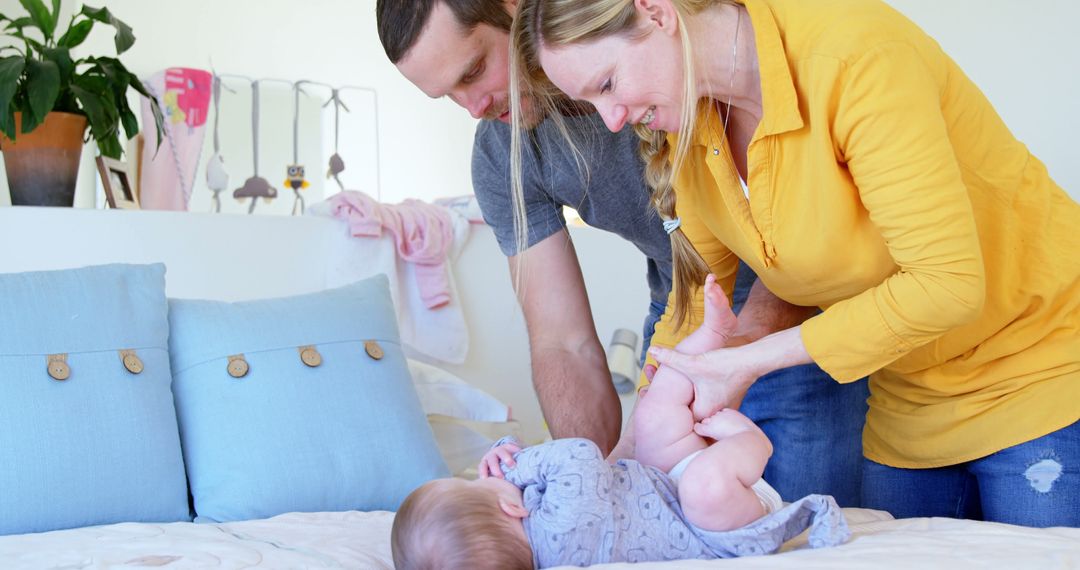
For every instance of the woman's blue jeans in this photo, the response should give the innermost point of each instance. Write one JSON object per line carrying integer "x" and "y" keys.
{"x": 815, "y": 423}
{"x": 1032, "y": 484}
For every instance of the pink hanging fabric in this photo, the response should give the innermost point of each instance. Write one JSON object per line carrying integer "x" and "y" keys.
{"x": 168, "y": 173}
{"x": 423, "y": 234}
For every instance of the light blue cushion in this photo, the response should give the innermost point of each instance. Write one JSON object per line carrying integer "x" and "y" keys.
{"x": 348, "y": 434}
{"x": 101, "y": 446}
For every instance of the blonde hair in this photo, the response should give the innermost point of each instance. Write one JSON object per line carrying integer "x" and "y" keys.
{"x": 466, "y": 529}
{"x": 554, "y": 23}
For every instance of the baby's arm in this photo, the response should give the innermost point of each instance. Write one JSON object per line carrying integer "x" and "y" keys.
{"x": 542, "y": 464}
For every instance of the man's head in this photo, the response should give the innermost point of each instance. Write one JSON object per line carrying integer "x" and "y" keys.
{"x": 453, "y": 48}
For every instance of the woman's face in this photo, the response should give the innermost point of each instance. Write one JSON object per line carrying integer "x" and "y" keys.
{"x": 628, "y": 79}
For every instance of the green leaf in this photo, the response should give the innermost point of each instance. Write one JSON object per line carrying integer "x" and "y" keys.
{"x": 43, "y": 19}
{"x": 30, "y": 120}
{"x": 114, "y": 71}
{"x": 62, "y": 58}
{"x": 42, "y": 88}
{"x": 36, "y": 45}
{"x": 124, "y": 38}
{"x": 11, "y": 69}
{"x": 130, "y": 122}
{"x": 159, "y": 120}
{"x": 155, "y": 108}
{"x": 100, "y": 106}
{"x": 20, "y": 23}
{"x": 101, "y": 115}
{"x": 97, "y": 102}
{"x": 76, "y": 34}
{"x": 110, "y": 146}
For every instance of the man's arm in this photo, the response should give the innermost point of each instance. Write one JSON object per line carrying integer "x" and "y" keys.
{"x": 569, "y": 367}
{"x": 765, "y": 313}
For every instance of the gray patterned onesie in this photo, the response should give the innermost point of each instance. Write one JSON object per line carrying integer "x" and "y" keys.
{"x": 583, "y": 511}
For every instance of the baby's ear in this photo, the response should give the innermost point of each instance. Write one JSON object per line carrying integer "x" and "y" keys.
{"x": 513, "y": 509}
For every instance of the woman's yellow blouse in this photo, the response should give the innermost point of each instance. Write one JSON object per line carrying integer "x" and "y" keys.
{"x": 885, "y": 189}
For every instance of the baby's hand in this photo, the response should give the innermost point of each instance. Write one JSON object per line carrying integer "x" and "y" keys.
{"x": 725, "y": 423}
{"x": 489, "y": 465}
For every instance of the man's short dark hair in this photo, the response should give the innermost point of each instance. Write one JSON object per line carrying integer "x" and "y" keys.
{"x": 401, "y": 21}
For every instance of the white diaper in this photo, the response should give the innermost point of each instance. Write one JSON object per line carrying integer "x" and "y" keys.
{"x": 768, "y": 496}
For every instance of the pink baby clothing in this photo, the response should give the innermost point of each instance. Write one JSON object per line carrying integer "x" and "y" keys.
{"x": 423, "y": 235}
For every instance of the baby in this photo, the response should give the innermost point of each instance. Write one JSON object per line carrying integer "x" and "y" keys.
{"x": 562, "y": 503}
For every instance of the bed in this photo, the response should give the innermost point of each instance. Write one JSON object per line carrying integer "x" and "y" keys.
{"x": 362, "y": 540}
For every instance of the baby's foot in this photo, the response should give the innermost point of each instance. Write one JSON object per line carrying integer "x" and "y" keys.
{"x": 719, "y": 318}
{"x": 725, "y": 423}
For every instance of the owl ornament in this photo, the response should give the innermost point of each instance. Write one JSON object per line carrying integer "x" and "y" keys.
{"x": 294, "y": 178}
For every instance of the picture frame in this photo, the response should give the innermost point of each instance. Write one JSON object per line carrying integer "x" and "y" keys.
{"x": 118, "y": 183}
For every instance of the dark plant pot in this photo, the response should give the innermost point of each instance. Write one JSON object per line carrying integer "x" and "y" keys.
{"x": 43, "y": 165}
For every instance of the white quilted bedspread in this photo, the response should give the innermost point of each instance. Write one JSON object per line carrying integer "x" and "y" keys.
{"x": 361, "y": 540}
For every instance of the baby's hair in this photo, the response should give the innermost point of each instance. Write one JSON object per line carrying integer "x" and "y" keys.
{"x": 436, "y": 530}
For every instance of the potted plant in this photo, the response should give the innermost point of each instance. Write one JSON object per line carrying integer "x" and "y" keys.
{"x": 48, "y": 98}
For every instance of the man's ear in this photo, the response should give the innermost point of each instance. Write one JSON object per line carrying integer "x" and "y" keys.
{"x": 658, "y": 13}
{"x": 513, "y": 509}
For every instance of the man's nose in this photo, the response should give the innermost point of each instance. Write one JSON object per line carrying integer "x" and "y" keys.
{"x": 475, "y": 103}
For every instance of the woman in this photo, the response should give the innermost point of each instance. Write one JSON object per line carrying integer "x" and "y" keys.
{"x": 833, "y": 147}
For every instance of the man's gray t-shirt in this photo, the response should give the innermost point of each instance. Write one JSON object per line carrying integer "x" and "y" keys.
{"x": 614, "y": 197}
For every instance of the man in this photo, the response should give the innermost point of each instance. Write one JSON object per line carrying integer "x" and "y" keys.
{"x": 460, "y": 49}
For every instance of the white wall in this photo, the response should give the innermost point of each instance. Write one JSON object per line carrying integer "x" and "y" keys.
{"x": 1023, "y": 55}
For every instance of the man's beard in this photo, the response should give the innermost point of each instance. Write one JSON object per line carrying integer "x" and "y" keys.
{"x": 533, "y": 112}
{"x": 496, "y": 110}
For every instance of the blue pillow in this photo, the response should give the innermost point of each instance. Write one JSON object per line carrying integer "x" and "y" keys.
{"x": 298, "y": 404}
{"x": 83, "y": 440}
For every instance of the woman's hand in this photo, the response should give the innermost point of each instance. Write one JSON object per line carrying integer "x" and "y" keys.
{"x": 489, "y": 464}
{"x": 721, "y": 377}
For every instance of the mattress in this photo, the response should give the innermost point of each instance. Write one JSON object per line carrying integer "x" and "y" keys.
{"x": 361, "y": 540}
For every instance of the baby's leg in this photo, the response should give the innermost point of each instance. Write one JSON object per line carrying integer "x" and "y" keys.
{"x": 715, "y": 490}
{"x": 663, "y": 421}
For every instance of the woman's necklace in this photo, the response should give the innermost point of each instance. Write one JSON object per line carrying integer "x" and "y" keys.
{"x": 731, "y": 86}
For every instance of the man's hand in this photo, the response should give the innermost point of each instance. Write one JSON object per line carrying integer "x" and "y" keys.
{"x": 764, "y": 313}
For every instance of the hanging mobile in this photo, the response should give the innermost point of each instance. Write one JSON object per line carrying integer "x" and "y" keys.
{"x": 294, "y": 173}
{"x": 255, "y": 187}
{"x": 337, "y": 165}
{"x": 217, "y": 178}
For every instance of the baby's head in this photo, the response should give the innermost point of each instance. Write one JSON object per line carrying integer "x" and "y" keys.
{"x": 454, "y": 523}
